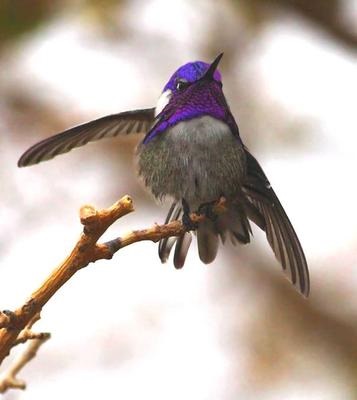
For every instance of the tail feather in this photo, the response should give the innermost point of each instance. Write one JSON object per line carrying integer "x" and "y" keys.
{"x": 234, "y": 223}
{"x": 207, "y": 241}
{"x": 165, "y": 245}
{"x": 182, "y": 245}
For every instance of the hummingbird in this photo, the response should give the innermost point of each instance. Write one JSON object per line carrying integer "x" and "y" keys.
{"x": 191, "y": 152}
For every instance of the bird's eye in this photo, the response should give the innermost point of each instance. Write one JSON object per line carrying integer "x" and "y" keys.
{"x": 181, "y": 84}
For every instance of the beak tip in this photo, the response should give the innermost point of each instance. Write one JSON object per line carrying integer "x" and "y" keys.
{"x": 212, "y": 68}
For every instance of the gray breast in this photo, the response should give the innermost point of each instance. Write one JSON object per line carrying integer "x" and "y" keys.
{"x": 198, "y": 160}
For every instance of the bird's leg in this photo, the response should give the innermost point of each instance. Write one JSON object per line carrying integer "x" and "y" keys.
{"x": 206, "y": 209}
{"x": 186, "y": 219}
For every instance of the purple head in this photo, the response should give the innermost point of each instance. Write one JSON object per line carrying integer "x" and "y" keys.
{"x": 190, "y": 72}
{"x": 193, "y": 91}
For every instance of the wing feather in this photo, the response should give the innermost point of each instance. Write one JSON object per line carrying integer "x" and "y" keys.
{"x": 277, "y": 226}
{"x": 137, "y": 121}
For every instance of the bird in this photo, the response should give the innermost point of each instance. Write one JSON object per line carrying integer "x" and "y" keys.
{"x": 191, "y": 151}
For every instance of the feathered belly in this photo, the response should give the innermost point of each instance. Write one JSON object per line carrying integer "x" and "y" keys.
{"x": 198, "y": 160}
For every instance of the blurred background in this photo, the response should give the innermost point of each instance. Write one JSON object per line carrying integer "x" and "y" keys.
{"x": 131, "y": 327}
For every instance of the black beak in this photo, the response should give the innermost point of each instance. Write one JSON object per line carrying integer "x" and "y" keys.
{"x": 212, "y": 68}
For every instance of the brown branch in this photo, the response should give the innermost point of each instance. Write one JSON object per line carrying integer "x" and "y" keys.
{"x": 85, "y": 251}
{"x": 28, "y": 334}
{"x": 10, "y": 380}
{"x": 16, "y": 326}
{"x": 5, "y": 318}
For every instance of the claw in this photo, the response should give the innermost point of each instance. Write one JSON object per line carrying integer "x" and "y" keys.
{"x": 186, "y": 219}
{"x": 188, "y": 223}
{"x": 206, "y": 209}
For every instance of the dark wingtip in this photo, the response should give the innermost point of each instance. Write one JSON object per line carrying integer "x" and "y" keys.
{"x": 20, "y": 163}
{"x": 24, "y": 160}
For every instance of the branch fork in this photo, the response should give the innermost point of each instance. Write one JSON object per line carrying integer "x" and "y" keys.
{"x": 16, "y": 326}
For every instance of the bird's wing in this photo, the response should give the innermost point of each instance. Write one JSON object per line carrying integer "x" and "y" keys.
{"x": 137, "y": 121}
{"x": 279, "y": 231}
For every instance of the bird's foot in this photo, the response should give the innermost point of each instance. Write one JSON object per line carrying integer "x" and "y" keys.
{"x": 207, "y": 209}
{"x": 189, "y": 224}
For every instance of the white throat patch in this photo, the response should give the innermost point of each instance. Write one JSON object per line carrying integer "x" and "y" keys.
{"x": 163, "y": 100}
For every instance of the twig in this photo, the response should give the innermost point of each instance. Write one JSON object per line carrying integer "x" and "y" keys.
{"x": 16, "y": 325}
{"x": 10, "y": 380}
{"x": 27, "y": 334}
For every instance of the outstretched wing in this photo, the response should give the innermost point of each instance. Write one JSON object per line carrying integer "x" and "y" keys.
{"x": 137, "y": 121}
{"x": 279, "y": 231}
